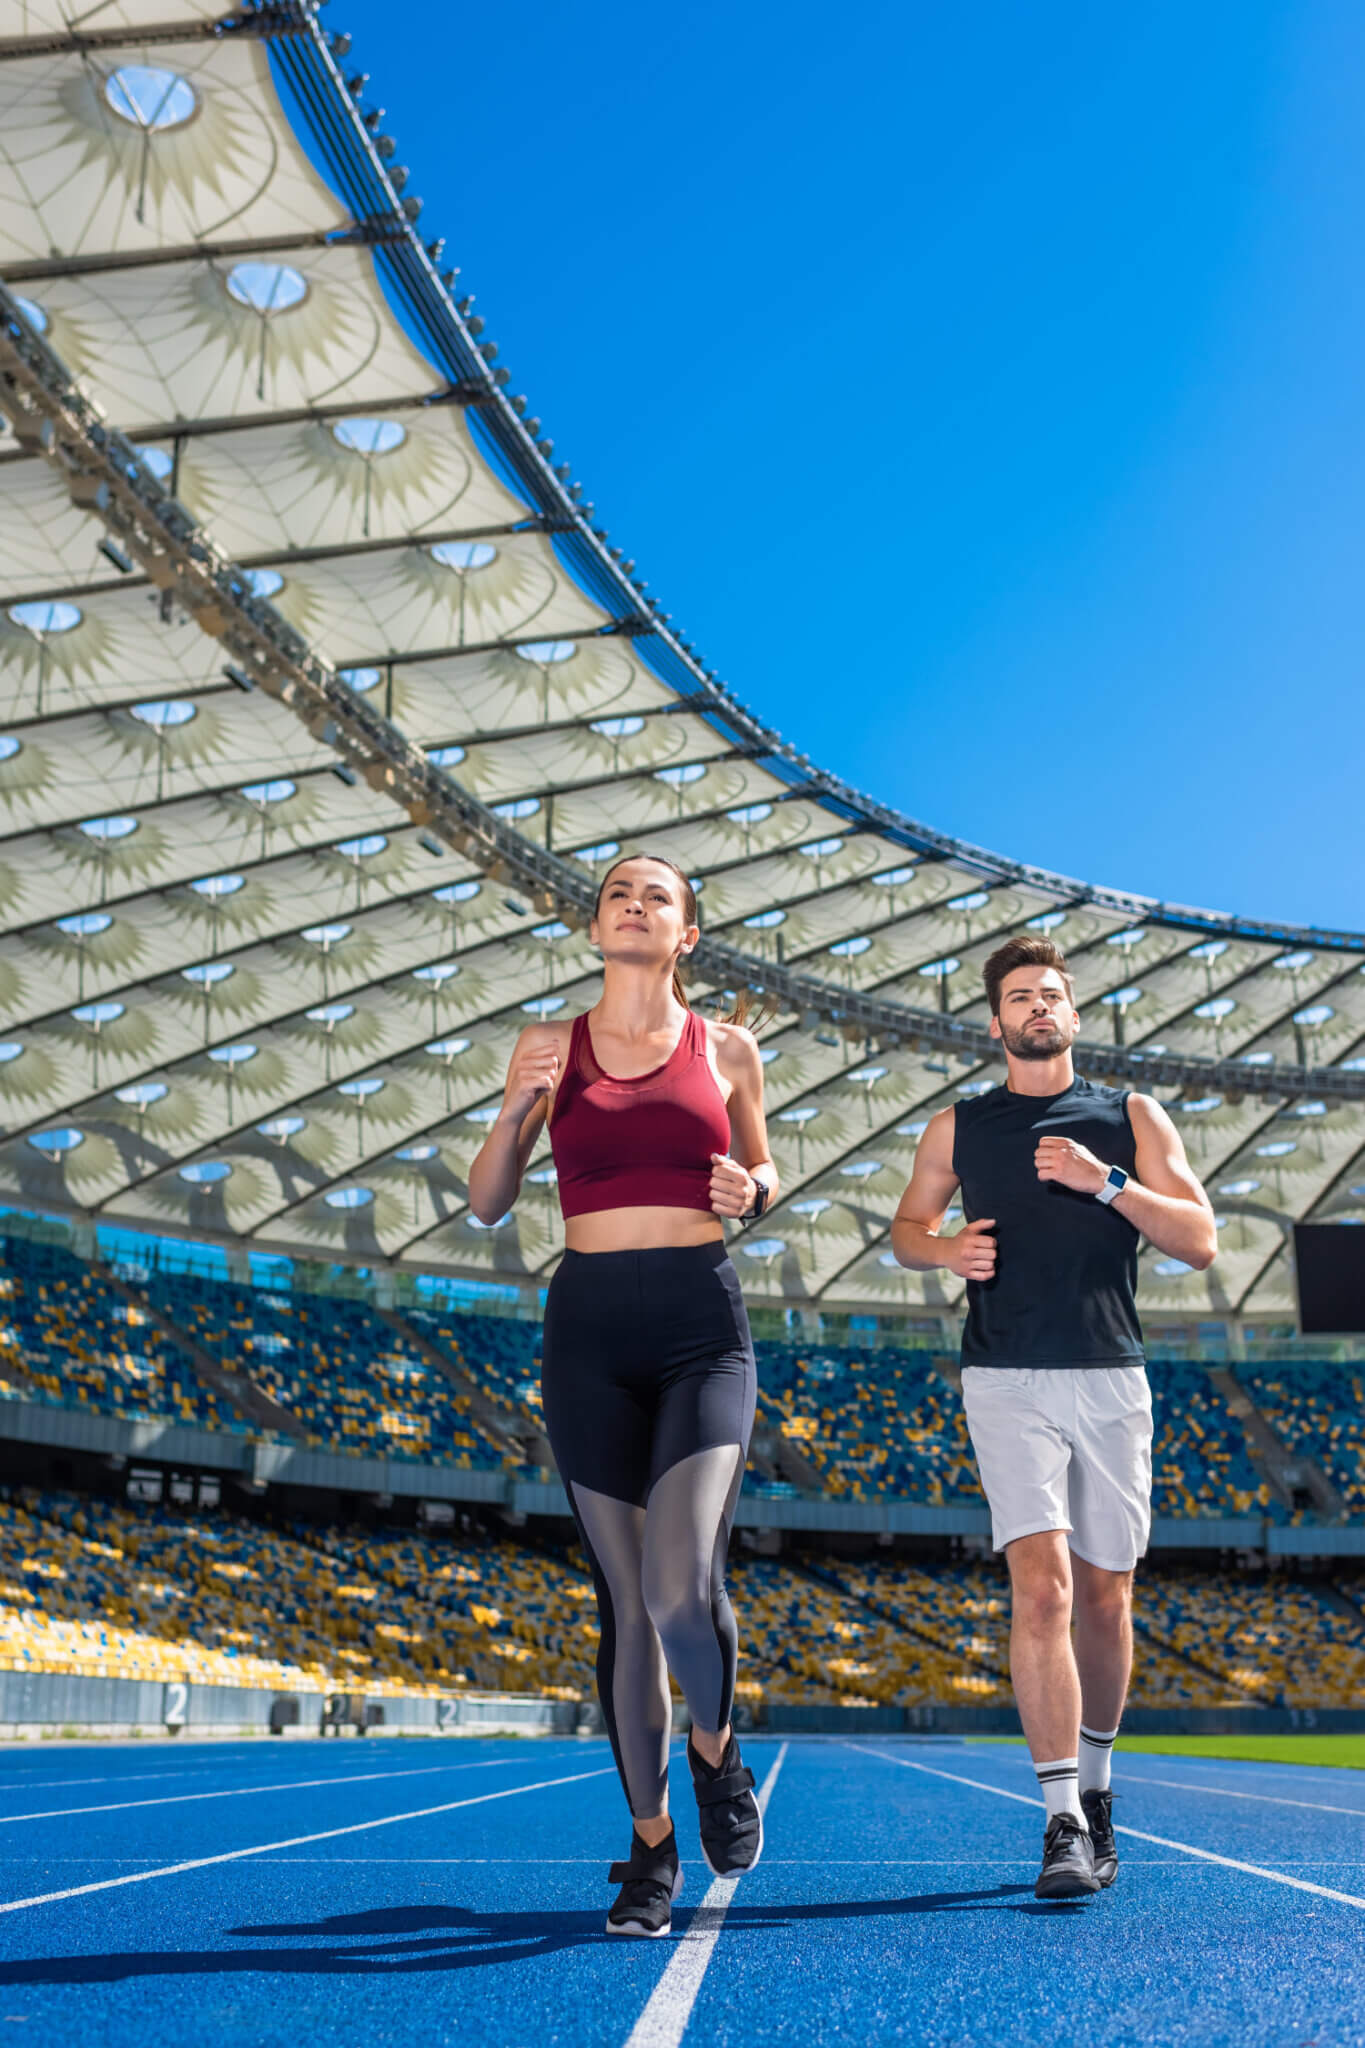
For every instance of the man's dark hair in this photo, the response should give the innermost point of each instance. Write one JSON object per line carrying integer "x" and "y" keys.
{"x": 1024, "y": 951}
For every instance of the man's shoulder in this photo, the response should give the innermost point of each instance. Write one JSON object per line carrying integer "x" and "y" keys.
{"x": 1103, "y": 1094}
{"x": 977, "y": 1102}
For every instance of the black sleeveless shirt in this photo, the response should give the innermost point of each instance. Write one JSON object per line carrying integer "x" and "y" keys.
{"x": 1065, "y": 1285}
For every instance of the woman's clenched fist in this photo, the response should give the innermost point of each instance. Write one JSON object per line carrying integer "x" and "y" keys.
{"x": 533, "y": 1072}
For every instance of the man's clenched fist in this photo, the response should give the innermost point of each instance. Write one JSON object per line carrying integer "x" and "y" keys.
{"x": 1063, "y": 1160}
{"x": 973, "y": 1251}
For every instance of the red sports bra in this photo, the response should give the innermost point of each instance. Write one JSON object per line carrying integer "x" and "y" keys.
{"x": 645, "y": 1143}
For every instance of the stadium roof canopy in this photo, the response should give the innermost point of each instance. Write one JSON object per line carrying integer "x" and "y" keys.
{"x": 325, "y": 699}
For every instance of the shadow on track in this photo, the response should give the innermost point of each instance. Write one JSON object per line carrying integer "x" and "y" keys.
{"x": 408, "y": 1940}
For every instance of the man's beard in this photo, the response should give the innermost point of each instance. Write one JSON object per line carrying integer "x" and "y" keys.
{"x": 1028, "y": 1044}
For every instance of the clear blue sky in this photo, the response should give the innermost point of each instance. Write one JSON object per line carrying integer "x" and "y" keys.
{"x": 982, "y": 389}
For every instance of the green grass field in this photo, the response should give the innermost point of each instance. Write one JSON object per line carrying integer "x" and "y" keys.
{"x": 1344, "y": 1752}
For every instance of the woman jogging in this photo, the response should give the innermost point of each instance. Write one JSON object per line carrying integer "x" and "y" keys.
{"x": 648, "y": 1366}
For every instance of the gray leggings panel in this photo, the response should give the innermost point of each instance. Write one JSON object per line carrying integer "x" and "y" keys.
{"x": 632, "y": 1677}
{"x": 660, "y": 1573}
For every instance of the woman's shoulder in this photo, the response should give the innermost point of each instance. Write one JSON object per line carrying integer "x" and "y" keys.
{"x": 734, "y": 1046}
{"x": 548, "y": 1031}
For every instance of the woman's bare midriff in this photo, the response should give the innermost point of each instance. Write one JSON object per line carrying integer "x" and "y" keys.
{"x": 640, "y": 1230}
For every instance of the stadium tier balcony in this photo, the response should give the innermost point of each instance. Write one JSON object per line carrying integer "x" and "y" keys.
{"x": 433, "y": 1384}
{"x": 70, "y": 1335}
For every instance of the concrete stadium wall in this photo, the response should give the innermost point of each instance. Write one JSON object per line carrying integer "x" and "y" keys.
{"x": 47, "y": 1704}
{"x": 1249, "y": 1720}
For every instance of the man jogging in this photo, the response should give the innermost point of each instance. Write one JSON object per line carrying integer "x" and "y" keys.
{"x": 1060, "y": 1177}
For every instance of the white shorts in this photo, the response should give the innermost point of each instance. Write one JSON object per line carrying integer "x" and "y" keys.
{"x": 1067, "y": 1449}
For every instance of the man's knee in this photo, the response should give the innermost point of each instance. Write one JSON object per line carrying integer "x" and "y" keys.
{"x": 1040, "y": 1583}
{"x": 1042, "y": 1604}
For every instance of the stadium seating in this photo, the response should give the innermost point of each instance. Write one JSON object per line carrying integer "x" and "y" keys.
{"x": 889, "y": 1421}
{"x": 857, "y": 1423}
{"x": 69, "y": 1338}
{"x": 88, "y": 1587}
{"x": 1201, "y": 1461}
{"x": 150, "y": 1593}
{"x": 1317, "y": 1409}
{"x": 870, "y": 1422}
{"x": 499, "y": 1354}
{"x": 1282, "y": 1641}
{"x": 808, "y": 1634}
{"x": 335, "y": 1364}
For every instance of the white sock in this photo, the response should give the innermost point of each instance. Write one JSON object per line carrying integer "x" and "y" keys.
{"x": 1097, "y": 1749}
{"x": 1060, "y": 1791}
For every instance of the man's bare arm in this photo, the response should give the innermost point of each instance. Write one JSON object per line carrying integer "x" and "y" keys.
{"x": 969, "y": 1253}
{"x": 1163, "y": 1199}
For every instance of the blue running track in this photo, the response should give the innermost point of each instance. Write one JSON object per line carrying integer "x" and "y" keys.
{"x": 243, "y": 1893}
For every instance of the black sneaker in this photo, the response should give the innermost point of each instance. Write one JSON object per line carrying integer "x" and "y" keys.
{"x": 1098, "y": 1807}
{"x": 1068, "y": 1870}
{"x": 649, "y": 1884}
{"x": 727, "y": 1812}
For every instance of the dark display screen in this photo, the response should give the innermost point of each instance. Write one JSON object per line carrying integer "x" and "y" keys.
{"x": 1330, "y": 1262}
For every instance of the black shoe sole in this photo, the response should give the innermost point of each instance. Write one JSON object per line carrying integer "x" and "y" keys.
{"x": 633, "y": 1930}
{"x": 1065, "y": 1889}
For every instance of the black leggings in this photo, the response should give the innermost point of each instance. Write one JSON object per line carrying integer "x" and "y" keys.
{"x": 649, "y": 1387}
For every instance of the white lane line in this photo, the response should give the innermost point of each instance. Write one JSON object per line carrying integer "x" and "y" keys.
{"x": 1230, "y": 1792}
{"x": 1125, "y": 1762}
{"x": 595, "y": 1862}
{"x": 18, "y": 1783}
{"x": 664, "y": 2019}
{"x": 1299, "y": 1884}
{"x": 12, "y": 1787}
{"x": 359, "y": 1827}
{"x": 251, "y": 1791}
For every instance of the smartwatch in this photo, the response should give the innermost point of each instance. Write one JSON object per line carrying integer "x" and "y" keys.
{"x": 758, "y": 1204}
{"x": 1115, "y": 1181}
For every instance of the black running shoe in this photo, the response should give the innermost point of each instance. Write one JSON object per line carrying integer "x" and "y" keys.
{"x": 649, "y": 1884}
{"x": 1068, "y": 1870}
{"x": 1098, "y": 1807}
{"x": 727, "y": 1812}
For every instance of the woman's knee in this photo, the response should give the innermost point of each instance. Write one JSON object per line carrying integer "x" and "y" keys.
{"x": 678, "y": 1603}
